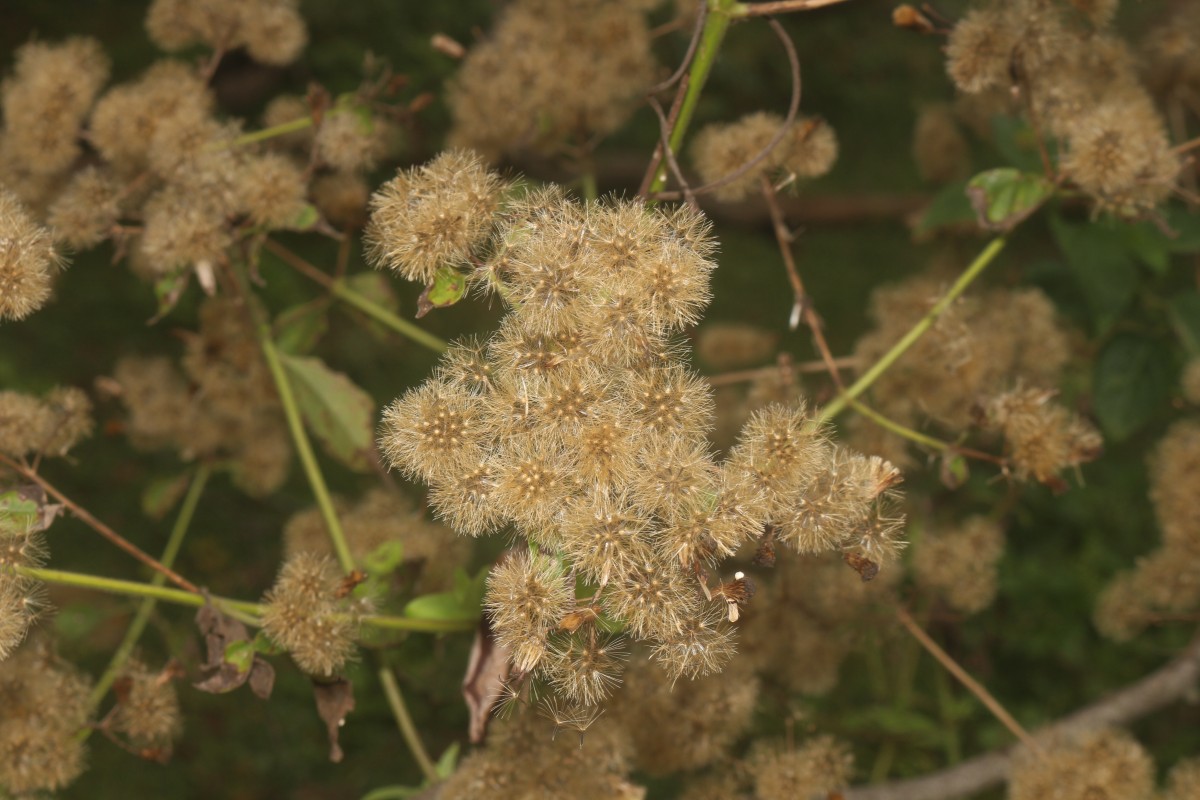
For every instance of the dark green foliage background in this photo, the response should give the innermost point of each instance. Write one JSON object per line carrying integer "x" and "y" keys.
{"x": 1036, "y": 648}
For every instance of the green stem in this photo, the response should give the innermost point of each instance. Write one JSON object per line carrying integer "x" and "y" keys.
{"x": 291, "y": 411}
{"x": 839, "y": 404}
{"x": 241, "y": 610}
{"x": 339, "y": 289}
{"x": 382, "y": 315}
{"x": 897, "y": 428}
{"x": 587, "y": 184}
{"x": 138, "y": 624}
{"x": 273, "y": 131}
{"x": 945, "y": 696}
{"x": 304, "y": 448}
{"x": 715, "y": 27}
{"x": 404, "y": 721}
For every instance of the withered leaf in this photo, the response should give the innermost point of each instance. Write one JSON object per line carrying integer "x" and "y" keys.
{"x": 865, "y": 567}
{"x": 227, "y": 644}
{"x": 335, "y": 699}
{"x": 487, "y": 671}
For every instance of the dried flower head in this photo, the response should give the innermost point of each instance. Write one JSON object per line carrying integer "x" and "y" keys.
{"x": 432, "y": 216}
{"x": 1101, "y": 765}
{"x": 27, "y": 260}
{"x": 1042, "y": 438}
{"x": 817, "y": 767}
{"x": 960, "y": 563}
{"x": 147, "y": 707}
{"x": 303, "y": 615}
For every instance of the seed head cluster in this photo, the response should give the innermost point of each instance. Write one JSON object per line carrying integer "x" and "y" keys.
{"x": 271, "y": 31}
{"x": 1082, "y": 86}
{"x": 28, "y": 260}
{"x": 808, "y": 149}
{"x": 46, "y": 426}
{"x": 21, "y": 545}
{"x": 1165, "y": 582}
{"x": 43, "y": 706}
{"x": 518, "y": 89}
{"x": 959, "y": 564}
{"x": 303, "y": 614}
{"x": 225, "y": 406}
{"x": 1103, "y": 765}
{"x": 578, "y": 426}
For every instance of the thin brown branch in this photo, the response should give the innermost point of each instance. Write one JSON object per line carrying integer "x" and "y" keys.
{"x": 100, "y": 528}
{"x": 656, "y": 159}
{"x": 664, "y": 127}
{"x": 1159, "y": 689}
{"x": 802, "y": 307}
{"x": 1190, "y": 144}
{"x": 976, "y": 688}
{"x": 793, "y": 109}
{"x": 299, "y": 264}
{"x": 676, "y": 76}
{"x": 747, "y": 375}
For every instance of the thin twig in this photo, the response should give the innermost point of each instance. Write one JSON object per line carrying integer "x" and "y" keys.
{"x": 652, "y": 170}
{"x": 715, "y": 26}
{"x": 405, "y": 723}
{"x": 701, "y": 16}
{"x": 779, "y": 7}
{"x": 802, "y": 307}
{"x": 976, "y": 688}
{"x": 747, "y": 375}
{"x": 664, "y": 131}
{"x": 793, "y": 109}
{"x": 100, "y": 528}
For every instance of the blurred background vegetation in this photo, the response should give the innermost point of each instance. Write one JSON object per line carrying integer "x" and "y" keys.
{"x": 1036, "y": 647}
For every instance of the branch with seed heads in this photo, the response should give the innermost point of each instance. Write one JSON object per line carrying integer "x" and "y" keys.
{"x": 241, "y": 610}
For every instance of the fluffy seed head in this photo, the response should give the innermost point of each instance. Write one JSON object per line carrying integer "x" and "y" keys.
{"x": 818, "y": 767}
{"x": 527, "y": 596}
{"x": 27, "y": 260}
{"x": 302, "y": 615}
{"x": 1102, "y": 765}
{"x": 432, "y": 431}
{"x": 432, "y": 216}
{"x": 960, "y": 564}
{"x": 147, "y": 707}
{"x": 84, "y": 213}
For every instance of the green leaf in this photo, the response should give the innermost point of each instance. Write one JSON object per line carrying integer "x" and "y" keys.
{"x": 300, "y": 328}
{"x": 1003, "y": 197}
{"x": 463, "y": 603}
{"x": 1132, "y": 384}
{"x": 448, "y": 287}
{"x": 384, "y": 559}
{"x": 240, "y": 655}
{"x": 448, "y": 760}
{"x": 1102, "y": 266}
{"x": 1186, "y": 225}
{"x": 1184, "y": 312}
{"x": 339, "y": 413}
{"x": 306, "y": 218}
{"x": 161, "y": 494}
{"x": 950, "y": 206}
{"x": 167, "y": 290}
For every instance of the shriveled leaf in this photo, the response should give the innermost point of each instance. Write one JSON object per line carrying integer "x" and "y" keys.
{"x": 487, "y": 671}
{"x": 222, "y": 635}
{"x": 1132, "y": 384}
{"x": 25, "y": 508}
{"x": 1003, "y": 197}
{"x": 339, "y": 413}
{"x": 448, "y": 287}
{"x": 300, "y": 328}
{"x": 262, "y": 678}
{"x": 162, "y": 494}
{"x": 335, "y": 699}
